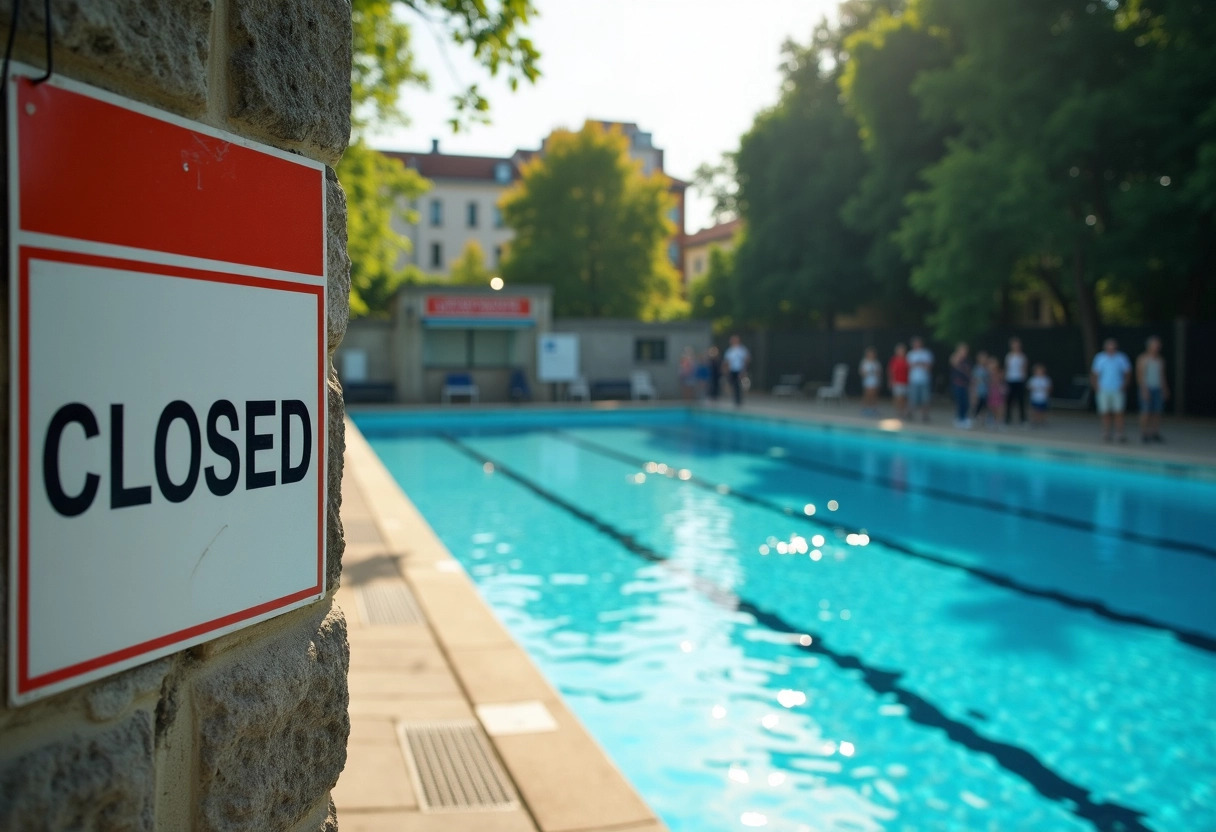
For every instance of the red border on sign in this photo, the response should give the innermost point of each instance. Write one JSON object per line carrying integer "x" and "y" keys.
{"x": 25, "y": 254}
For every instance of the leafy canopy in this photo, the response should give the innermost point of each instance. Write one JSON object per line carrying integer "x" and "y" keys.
{"x": 590, "y": 224}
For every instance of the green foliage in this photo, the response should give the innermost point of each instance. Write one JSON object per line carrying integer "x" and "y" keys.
{"x": 470, "y": 269}
{"x": 715, "y": 296}
{"x": 796, "y": 167}
{"x": 377, "y": 187}
{"x": 588, "y": 223}
{"x": 979, "y": 152}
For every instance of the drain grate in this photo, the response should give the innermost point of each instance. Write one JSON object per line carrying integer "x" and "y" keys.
{"x": 387, "y": 602}
{"x": 454, "y": 768}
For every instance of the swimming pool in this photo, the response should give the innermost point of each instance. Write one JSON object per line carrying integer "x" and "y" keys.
{"x": 784, "y": 626}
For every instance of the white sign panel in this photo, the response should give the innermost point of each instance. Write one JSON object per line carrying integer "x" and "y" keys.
{"x": 169, "y": 403}
{"x": 557, "y": 358}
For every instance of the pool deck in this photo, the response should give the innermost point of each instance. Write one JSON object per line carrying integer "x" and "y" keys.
{"x": 459, "y": 659}
{"x": 1189, "y": 441}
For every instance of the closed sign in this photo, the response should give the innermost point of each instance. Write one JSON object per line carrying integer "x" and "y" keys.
{"x": 168, "y": 412}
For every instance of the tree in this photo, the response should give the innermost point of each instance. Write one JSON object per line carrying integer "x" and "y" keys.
{"x": 899, "y": 143}
{"x": 470, "y": 269}
{"x": 378, "y": 188}
{"x": 590, "y": 224}
{"x": 796, "y": 167}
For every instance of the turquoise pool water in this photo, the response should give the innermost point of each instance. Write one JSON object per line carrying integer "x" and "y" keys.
{"x": 793, "y": 628}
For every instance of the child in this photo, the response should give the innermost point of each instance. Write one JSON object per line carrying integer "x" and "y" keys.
{"x": 996, "y": 393}
{"x": 1040, "y": 395}
{"x": 979, "y": 380}
{"x": 897, "y": 377}
{"x": 871, "y": 378}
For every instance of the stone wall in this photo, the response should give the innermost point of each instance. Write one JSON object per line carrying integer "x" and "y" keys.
{"x": 247, "y": 732}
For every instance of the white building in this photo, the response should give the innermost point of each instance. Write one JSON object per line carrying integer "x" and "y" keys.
{"x": 461, "y": 205}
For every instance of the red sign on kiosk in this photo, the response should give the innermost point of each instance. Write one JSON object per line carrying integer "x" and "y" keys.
{"x": 168, "y": 361}
{"x": 474, "y": 306}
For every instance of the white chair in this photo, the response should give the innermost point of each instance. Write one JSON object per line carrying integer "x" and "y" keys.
{"x": 459, "y": 384}
{"x": 641, "y": 386}
{"x": 835, "y": 390}
{"x": 579, "y": 389}
{"x": 788, "y": 385}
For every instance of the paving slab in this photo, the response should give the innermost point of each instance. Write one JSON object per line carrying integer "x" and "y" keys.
{"x": 357, "y": 821}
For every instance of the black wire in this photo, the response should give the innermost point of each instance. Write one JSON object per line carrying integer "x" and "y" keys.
{"x": 50, "y": 34}
{"x": 8, "y": 49}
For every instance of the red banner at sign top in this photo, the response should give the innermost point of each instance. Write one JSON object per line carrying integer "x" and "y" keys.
{"x": 96, "y": 171}
{"x": 468, "y": 306}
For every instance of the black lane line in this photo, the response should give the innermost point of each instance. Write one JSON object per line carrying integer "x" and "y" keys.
{"x": 977, "y": 502}
{"x": 1192, "y": 638}
{"x": 1109, "y": 817}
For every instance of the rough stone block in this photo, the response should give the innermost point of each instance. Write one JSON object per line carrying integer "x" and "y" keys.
{"x": 103, "y": 782}
{"x": 155, "y": 46}
{"x": 289, "y": 71}
{"x": 110, "y": 697}
{"x": 337, "y": 267}
{"x": 335, "y": 542}
{"x": 272, "y": 726}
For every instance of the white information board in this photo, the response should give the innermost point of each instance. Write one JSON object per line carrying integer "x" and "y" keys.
{"x": 168, "y": 438}
{"x": 557, "y": 358}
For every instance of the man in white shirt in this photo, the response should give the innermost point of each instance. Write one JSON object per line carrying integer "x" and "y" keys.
{"x": 1016, "y": 373}
{"x": 920, "y": 377}
{"x": 1109, "y": 376}
{"x": 736, "y": 359}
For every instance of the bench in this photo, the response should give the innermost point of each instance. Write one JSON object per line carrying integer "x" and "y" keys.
{"x": 611, "y": 388}
{"x": 1082, "y": 395}
{"x": 356, "y": 392}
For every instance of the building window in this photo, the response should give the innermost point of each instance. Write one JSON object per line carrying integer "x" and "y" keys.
{"x": 674, "y": 214}
{"x": 698, "y": 265}
{"x": 498, "y": 220}
{"x": 497, "y": 256}
{"x": 649, "y": 350}
{"x": 436, "y": 255}
{"x": 436, "y": 213}
{"x": 469, "y": 348}
{"x": 472, "y": 215}
{"x": 502, "y": 173}
{"x": 673, "y": 253}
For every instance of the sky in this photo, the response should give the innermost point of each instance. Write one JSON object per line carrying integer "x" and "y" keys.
{"x": 693, "y": 72}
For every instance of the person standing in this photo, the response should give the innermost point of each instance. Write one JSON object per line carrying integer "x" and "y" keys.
{"x": 1040, "y": 396}
{"x": 713, "y": 361}
{"x": 1154, "y": 390}
{"x": 1016, "y": 372}
{"x": 920, "y": 377}
{"x": 979, "y": 385}
{"x": 688, "y": 374}
{"x": 737, "y": 358}
{"x": 960, "y": 386}
{"x": 871, "y": 379}
{"x": 897, "y": 377}
{"x": 1109, "y": 375}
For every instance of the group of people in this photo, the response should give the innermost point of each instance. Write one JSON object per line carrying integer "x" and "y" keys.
{"x": 704, "y": 378}
{"x": 993, "y": 389}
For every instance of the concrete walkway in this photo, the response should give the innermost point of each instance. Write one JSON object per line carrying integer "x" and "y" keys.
{"x": 455, "y": 664}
